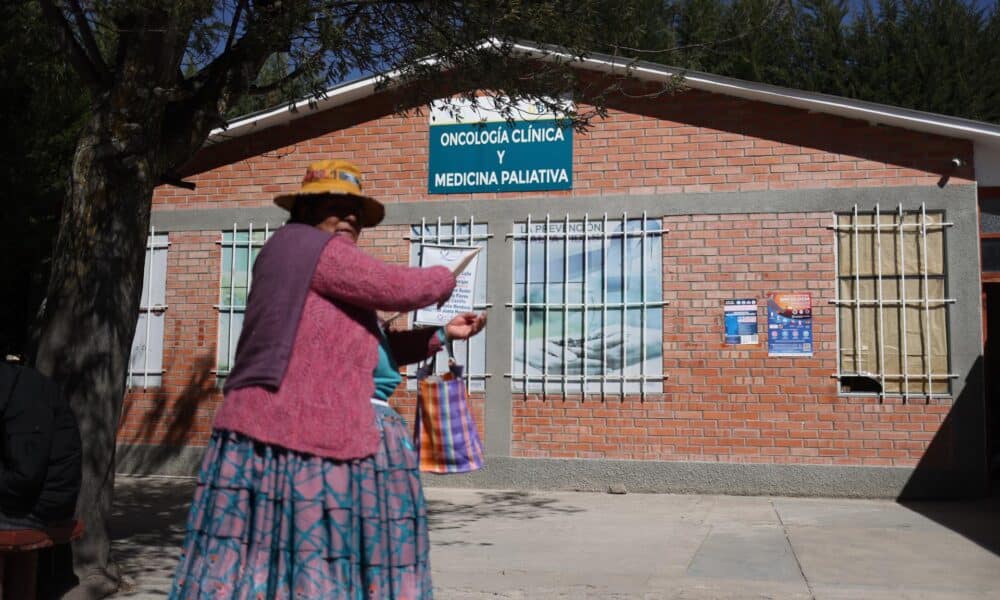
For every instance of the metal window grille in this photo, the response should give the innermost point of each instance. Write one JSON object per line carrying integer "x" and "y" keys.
{"x": 145, "y": 365}
{"x": 240, "y": 248}
{"x": 465, "y": 233}
{"x": 587, "y": 297}
{"x": 892, "y": 336}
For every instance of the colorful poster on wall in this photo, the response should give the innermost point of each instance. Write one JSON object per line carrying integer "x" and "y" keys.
{"x": 463, "y": 262}
{"x": 789, "y": 324}
{"x": 741, "y": 322}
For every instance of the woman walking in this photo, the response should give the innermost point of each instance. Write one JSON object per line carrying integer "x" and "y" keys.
{"x": 310, "y": 485}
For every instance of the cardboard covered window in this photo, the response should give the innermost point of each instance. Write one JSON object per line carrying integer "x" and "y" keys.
{"x": 892, "y": 304}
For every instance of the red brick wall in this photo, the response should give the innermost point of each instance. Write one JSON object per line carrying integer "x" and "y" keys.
{"x": 718, "y": 404}
{"x": 736, "y": 405}
{"x": 692, "y": 142}
{"x": 181, "y": 411}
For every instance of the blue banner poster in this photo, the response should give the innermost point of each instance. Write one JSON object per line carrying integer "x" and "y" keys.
{"x": 789, "y": 324}
{"x": 741, "y": 322}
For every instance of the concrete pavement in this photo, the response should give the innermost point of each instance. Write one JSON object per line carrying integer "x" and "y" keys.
{"x": 547, "y": 545}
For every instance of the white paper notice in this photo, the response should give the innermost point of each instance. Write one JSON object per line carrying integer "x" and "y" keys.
{"x": 462, "y": 261}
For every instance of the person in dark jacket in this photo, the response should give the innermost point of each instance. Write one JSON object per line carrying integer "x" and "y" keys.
{"x": 40, "y": 453}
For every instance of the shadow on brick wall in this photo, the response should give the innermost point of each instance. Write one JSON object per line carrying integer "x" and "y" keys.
{"x": 792, "y": 127}
{"x": 950, "y": 484}
{"x": 955, "y": 463}
{"x": 167, "y": 427}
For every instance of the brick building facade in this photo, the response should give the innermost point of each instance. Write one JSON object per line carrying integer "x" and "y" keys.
{"x": 749, "y": 197}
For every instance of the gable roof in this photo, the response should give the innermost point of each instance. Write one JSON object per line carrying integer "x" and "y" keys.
{"x": 984, "y": 133}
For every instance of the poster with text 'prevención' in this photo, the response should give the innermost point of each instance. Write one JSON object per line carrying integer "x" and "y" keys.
{"x": 462, "y": 262}
{"x": 789, "y": 324}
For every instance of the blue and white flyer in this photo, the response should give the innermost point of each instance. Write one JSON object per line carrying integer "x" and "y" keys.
{"x": 741, "y": 322}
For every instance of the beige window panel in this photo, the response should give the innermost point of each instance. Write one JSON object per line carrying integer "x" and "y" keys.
{"x": 892, "y": 314}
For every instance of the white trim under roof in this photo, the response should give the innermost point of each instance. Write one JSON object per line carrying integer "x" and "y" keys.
{"x": 282, "y": 115}
{"x": 986, "y": 135}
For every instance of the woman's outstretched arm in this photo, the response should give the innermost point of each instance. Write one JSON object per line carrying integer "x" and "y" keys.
{"x": 346, "y": 273}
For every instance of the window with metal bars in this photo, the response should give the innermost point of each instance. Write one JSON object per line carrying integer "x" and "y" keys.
{"x": 588, "y": 306}
{"x": 892, "y": 313}
{"x": 239, "y": 251}
{"x": 472, "y": 353}
{"x": 145, "y": 365}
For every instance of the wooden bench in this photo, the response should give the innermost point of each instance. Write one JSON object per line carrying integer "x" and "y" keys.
{"x": 19, "y": 556}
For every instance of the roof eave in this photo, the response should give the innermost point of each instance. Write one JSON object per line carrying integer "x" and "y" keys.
{"x": 871, "y": 112}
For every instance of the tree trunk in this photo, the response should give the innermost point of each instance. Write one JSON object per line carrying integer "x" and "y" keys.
{"x": 90, "y": 315}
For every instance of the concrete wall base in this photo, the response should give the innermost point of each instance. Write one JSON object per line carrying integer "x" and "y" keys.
{"x": 152, "y": 459}
{"x": 503, "y": 472}
{"x": 705, "y": 478}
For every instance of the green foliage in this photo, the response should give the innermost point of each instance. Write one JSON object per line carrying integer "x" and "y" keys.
{"x": 820, "y": 48}
{"x": 934, "y": 55}
{"x": 988, "y": 44}
{"x": 274, "y": 75}
{"x": 41, "y": 109}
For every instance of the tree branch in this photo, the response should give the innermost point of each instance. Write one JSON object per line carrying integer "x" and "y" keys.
{"x": 347, "y": 3}
{"x": 771, "y": 13}
{"x": 238, "y": 14}
{"x": 214, "y": 74}
{"x": 196, "y": 115}
{"x": 172, "y": 178}
{"x": 274, "y": 85}
{"x": 77, "y": 56}
{"x": 89, "y": 43}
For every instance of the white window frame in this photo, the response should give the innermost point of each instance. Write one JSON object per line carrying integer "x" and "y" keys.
{"x": 152, "y": 305}
{"x": 603, "y": 383}
{"x": 924, "y": 302}
{"x": 475, "y": 381}
{"x": 228, "y": 309}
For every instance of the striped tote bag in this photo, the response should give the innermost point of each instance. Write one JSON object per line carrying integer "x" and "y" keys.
{"x": 445, "y": 433}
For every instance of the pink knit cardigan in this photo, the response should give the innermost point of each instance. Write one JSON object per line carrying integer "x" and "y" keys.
{"x": 322, "y": 406}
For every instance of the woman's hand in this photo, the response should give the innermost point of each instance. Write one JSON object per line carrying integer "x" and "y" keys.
{"x": 465, "y": 325}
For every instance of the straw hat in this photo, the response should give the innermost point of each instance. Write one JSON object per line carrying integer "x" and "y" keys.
{"x": 339, "y": 178}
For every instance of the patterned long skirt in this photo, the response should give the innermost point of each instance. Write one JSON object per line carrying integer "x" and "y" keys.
{"x": 271, "y": 523}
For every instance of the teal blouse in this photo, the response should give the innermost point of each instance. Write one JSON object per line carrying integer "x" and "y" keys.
{"x": 386, "y": 373}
